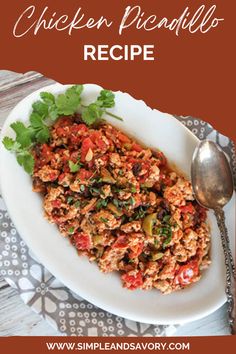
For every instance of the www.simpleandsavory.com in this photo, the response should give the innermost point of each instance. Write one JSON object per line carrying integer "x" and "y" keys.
{"x": 118, "y": 202}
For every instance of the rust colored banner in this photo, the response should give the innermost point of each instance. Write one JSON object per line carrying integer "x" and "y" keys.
{"x": 45, "y": 345}
{"x": 191, "y": 42}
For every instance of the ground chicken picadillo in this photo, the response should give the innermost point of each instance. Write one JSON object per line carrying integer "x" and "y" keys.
{"x": 122, "y": 206}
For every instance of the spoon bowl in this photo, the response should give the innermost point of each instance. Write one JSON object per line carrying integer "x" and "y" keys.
{"x": 211, "y": 176}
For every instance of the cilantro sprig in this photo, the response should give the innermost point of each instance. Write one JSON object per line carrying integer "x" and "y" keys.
{"x": 45, "y": 112}
{"x": 95, "y": 110}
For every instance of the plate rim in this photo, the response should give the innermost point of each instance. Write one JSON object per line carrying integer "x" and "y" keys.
{"x": 51, "y": 267}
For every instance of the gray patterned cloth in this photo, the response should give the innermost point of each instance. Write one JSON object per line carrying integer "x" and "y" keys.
{"x": 64, "y": 310}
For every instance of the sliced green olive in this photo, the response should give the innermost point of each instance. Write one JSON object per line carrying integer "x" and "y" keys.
{"x": 99, "y": 251}
{"x": 97, "y": 239}
{"x": 157, "y": 255}
{"x": 106, "y": 176}
{"x": 114, "y": 209}
{"x": 147, "y": 185}
{"x": 127, "y": 146}
{"x": 148, "y": 223}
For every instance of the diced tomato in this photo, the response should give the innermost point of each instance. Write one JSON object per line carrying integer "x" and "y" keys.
{"x": 82, "y": 241}
{"x": 121, "y": 242}
{"x": 104, "y": 158}
{"x": 133, "y": 160}
{"x": 75, "y": 139}
{"x": 64, "y": 121}
{"x": 46, "y": 154}
{"x": 137, "y": 147}
{"x": 84, "y": 174}
{"x": 44, "y": 158}
{"x": 81, "y": 128}
{"x": 143, "y": 178}
{"x": 61, "y": 132}
{"x": 95, "y": 135}
{"x": 123, "y": 138}
{"x": 187, "y": 273}
{"x": 101, "y": 145}
{"x": 96, "y": 138}
{"x": 166, "y": 180}
{"x": 53, "y": 176}
{"x": 77, "y": 131}
{"x": 161, "y": 157}
{"x": 202, "y": 212}
{"x": 61, "y": 177}
{"x": 74, "y": 156}
{"x": 137, "y": 200}
{"x": 56, "y": 203}
{"x": 86, "y": 145}
{"x": 132, "y": 281}
{"x": 136, "y": 250}
{"x": 189, "y": 208}
{"x": 46, "y": 149}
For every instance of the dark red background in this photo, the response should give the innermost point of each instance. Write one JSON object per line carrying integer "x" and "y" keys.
{"x": 192, "y": 75}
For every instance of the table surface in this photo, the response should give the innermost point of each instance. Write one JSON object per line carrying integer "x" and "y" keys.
{"x": 16, "y": 318}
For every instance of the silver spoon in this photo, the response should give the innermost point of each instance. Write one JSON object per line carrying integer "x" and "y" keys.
{"x": 212, "y": 183}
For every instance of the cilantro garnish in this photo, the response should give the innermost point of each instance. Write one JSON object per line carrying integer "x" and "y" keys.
{"x": 10, "y": 144}
{"x": 69, "y": 102}
{"x": 95, "y": 110}
{"x": 105, "y": 220}
{"x": 95, "y": 190}
{"x": 44, "y": 112}
{"x": 101, "y": 203}
{"x": 82, "y": 188}
{"x": 77, "y": 204}
{"x": 26, "y": 160}
{"x": 71, "y": 230}
{"x": 74, "y": 167}
{"x": 20, "y": 146}
{"x": 70, "y": 199}
{"x": 133, "y": 189}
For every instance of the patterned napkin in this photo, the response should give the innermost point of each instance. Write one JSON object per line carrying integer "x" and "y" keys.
{"x": 63, "y": 309}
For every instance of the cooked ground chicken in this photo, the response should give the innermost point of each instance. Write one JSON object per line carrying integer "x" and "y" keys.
{"x": 121, "y": 205}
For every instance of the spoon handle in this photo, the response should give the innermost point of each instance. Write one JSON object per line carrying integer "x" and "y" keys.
{"x": 229, "y": 263}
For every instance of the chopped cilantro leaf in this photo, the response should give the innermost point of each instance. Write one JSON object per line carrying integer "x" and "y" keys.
{"x": 23, "y": 134}
{"x": 41, "y": 131}
{"x": 106, "y": 99}
{"x": 133, "y": 189}
{"x": 69, "y": 102}
{"x": 26, "y": 160}
{"x": 40, "y": 108}
{"x": 70, "y": 199}
{"x": 101, "y": 203}
{"x": 71, "y": 230}
{"x": 10, "y": 144}
{"x": 131, "y": 201}
{"x": 105, "y": 220}
{"x": 77, "y": 204}
{"x": 74, "y": 167}
{"x": 95, "y": 110}
{"x": 47, "y": 97}
{"x": 166, "y": 218}
{"x": 116, "y": 203}
{"x": 94, "y": 190}
{"x": 92, "y": 113}
{"x": 82, "y": 188}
